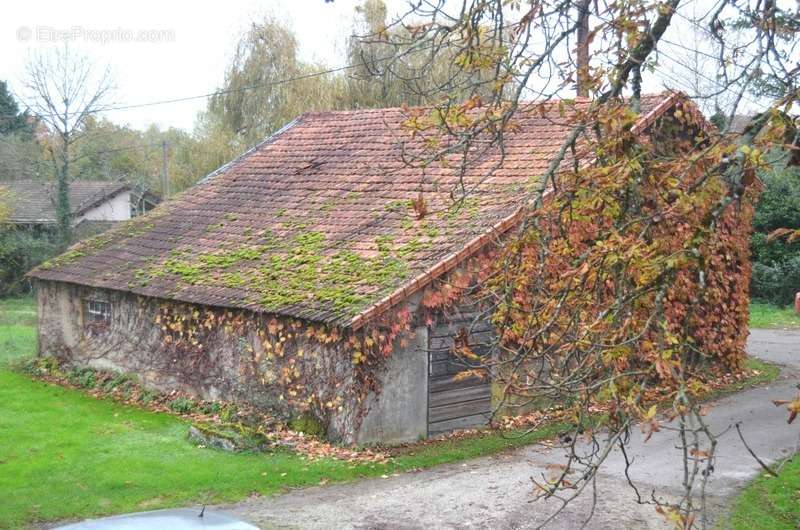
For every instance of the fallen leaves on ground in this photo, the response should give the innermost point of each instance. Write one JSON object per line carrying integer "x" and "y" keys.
{"x": 314, "y": 449}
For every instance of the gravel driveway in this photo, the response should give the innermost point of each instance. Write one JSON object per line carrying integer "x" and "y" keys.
{"x": 496, "y": 492}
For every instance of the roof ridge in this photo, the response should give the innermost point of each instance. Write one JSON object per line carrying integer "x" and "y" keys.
{"x": 100, "y": 195}
{"x": 266, "y": 141}
{"x": 344, "y": 112}
{"x": 274, "y": 204}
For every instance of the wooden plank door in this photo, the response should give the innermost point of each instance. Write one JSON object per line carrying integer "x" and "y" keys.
{"x": 453, "y": 402}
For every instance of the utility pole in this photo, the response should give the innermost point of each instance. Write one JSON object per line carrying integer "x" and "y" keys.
{"x": 164, "y": 170}
{"x": 582, "y": 52}
{"x": 106, "y": 172}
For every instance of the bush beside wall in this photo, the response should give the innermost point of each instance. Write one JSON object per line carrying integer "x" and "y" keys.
{"x": 776, "y": 264}
{"x": 20, "y": 251}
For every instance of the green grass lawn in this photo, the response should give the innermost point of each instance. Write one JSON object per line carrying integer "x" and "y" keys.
{"x": 17, "y": 328}
{"x": 770, "y": 503}
{"x": 64, "y": 454}
{"x": 773, "y": 317}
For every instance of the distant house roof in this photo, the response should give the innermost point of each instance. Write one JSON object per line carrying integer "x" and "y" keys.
{"x": 315, "y": 222}
{"x": 739, "y": 122}
{"x": 35, "y": 200}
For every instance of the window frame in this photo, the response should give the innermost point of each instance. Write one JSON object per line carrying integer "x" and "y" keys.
{"x": 96, "y": 314}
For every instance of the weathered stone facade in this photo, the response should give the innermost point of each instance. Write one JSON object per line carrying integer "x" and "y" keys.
{"x": 230, "y": 362}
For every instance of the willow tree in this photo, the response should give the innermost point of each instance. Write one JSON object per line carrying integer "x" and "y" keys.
{"x": 380, "y": 74}
{"x": 266, "y": 86}
{"x": 6, "y": 199}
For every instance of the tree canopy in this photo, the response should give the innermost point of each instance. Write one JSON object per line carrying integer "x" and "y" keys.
{"x": 12, "y": 121}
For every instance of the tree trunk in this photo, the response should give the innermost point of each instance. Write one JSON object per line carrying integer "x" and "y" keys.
{"x": 583, "y": 50}
{"x": 63, "y": 211}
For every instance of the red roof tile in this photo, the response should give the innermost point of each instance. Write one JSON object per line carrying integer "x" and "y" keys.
{"x": 315, "y": 222}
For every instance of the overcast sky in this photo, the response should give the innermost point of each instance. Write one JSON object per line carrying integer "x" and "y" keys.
{"x": 160, "y": 50}
{"x": 184, "y": 46}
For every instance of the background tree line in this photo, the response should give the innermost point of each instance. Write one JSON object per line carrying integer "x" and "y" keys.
{"x": 266, "y": 85}
{"x": 776, "y": 263}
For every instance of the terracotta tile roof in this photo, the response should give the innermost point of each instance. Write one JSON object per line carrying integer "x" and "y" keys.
{"x": 316, "y": 222}
{"x": 35, "y": 200}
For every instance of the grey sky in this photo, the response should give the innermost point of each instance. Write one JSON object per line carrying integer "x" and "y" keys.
{"x": 184, "y": 49}
{"x": 161, "y": 50}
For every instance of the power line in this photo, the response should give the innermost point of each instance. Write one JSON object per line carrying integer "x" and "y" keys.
{"x": 300, "y": 77}
{"x": 319, "y": 73}
{"x": 199, "y": 96}
{"x": 120, "y": 149}
{"x": 708, "y": 32}
{"x": 291, "y": 79}
{"x": 716, "y": 82}
{"x": 660, "y": 51}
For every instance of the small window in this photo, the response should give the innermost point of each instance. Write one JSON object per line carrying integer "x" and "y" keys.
{"x": 97, "y": 313}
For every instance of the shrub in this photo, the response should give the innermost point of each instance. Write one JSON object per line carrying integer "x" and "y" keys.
{"x": 83, "y": 377}
{"x": 20, "y": 251}
{"x": 182, "y": 405}
{"x": 211, "y": 408}
{"x": 40, "y": 366}
{"x": 147, "y": 396}
{"x": 229, "y": 412}
{"x": 776, "y": 264}
{"x": 776, "y": 283}
{"x": 119, "y": 380}
{"x": 765, "y": 282}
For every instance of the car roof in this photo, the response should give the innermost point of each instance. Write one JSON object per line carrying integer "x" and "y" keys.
{"x": 175, "y": 519}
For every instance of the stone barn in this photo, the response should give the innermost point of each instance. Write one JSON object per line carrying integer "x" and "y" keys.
{"x": 301, "y": 276}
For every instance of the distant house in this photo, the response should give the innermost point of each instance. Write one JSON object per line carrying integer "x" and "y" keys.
{"x": 268, "y": 280}
{"x": 96, "y": 204}
{"x": 739, "y": 123}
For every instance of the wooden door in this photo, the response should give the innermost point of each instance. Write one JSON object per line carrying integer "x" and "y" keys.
{"x": 453, "y": 402}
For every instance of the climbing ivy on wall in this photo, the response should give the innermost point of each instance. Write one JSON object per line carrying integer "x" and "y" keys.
{"x": 287, "y": 364}
{"x": 631, "y": 272}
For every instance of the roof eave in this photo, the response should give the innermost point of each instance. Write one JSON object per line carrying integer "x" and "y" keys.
{"x": 416, "y": 284}
{"x": 94, "y": 202}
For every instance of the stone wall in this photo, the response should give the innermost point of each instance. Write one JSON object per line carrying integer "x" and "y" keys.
{"x": 131, "y": 342}
{"x": 230, "y": 362}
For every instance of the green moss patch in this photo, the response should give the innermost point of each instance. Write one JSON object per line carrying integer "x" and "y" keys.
{"x": 232, "y": 437}
{"x": 298, "y": 270}
{"x": 308, "y": 424}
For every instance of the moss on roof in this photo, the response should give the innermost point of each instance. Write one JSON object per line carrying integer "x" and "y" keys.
{"x": 320, "y": 222}
{"x": 293, "y": 271}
